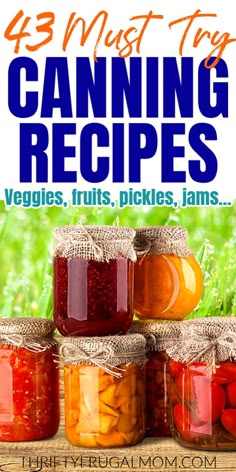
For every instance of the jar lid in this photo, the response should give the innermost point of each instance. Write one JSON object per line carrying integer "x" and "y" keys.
{"x": 162, "y": 240}
{"x": 105, "y": 352}
{"x": 159, "y": 334}
{"x": 210, "y": 340}
{"x": 100, "y": 243}
{"x": 35, "y": 334}
{"x": 97, "y": 232}
{"x": 27, "y": 326}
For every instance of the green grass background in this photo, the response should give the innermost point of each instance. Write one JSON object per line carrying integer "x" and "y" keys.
{"x": 26, "y": 248}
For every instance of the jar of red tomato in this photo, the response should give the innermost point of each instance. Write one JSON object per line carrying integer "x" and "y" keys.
{"x": 158, "y": 337}
{"x": 203, "y": 384}
{"x": 29, "y": 387}
{"x": 93, "y": 280}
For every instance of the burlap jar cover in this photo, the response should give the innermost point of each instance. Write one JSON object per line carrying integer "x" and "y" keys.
{"x": 162, "y": 240}
{"x": 159, "y": 335}
{"x": 33, "y": 334}
{"x": 108, "y": 352}
{"x": 209, "y": 340}
{"x": 100, "y": 243}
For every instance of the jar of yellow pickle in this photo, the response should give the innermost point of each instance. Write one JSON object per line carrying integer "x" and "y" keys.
{"x": 167, "y": 278}
{"x": 104, "y": 381}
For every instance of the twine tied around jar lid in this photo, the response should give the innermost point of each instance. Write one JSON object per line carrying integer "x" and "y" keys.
{"x": 162, "y": 240}
{"x": 99, "y": 243}
{"x": 107, "y": 353}
{"x": 209, "y": 340}
{"x": 159, "y": 335}
{"x": 33, "y": 334}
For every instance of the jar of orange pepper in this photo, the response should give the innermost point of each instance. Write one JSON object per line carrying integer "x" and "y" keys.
{"x": 104, "y": 390}
{"x": 29, "y": 386}
{"x": 167, "y": 278}
{"x": 203, "y": 382}
{"x": 158, "y": 336}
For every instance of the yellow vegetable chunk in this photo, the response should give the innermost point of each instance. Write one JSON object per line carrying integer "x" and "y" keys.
{"x": 126, "y": 387}
{"x": 87, "y": 440}
{"x": 111, "y": 440}
{"x": 104, "y": 411}
{"x": 107, "y": 423}
{"x": 108, "y": 396}
{"x": 125, "y": 424}
{"x": 105, "y": 381}
{"x": 103, "y": 408}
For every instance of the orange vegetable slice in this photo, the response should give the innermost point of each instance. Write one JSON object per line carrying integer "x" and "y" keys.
{"x": 103, "y": 408}
{"x": 127, "y": 386}
{"x": 108, "y": 395}
{"x": 87, "y": 440}
{"x": 124, "y": 424}
{"x": 110, "y": 440}
{"x": 105, "y": 381}
{"x": 107, "y": 423}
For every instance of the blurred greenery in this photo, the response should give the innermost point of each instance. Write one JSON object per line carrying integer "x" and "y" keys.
{"x": 26, "y": 246}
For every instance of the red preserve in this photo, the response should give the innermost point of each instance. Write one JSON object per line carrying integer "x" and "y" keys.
{"x": 29, "y": 390}
{"x": 158, "y": 336}
{"x": 93, "y": 280}
{"x": 203, "y": 384}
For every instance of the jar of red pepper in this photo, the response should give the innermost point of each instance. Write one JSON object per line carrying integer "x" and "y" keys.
{"x": 158, "y": 336}
{"x": 29, "y": 387}
{"x": 93, "y": 280}
{"x": 203, "y": 382}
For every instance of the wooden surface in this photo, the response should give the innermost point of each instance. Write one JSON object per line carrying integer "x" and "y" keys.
{"x": 57, "y": 455}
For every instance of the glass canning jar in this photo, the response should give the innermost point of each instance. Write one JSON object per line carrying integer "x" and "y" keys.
{"x": 158, "y": 335}
{"x": 105, "y": 395}
{"x": 29, "y": 390}
{"x": 203, "y": 398}
{"x": 93, "y": 280}
{"x": 167, "y": 278}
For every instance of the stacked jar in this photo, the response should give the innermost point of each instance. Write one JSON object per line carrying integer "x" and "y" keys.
{"x": 29, "y": 388}
{"x": 159, "y": 337}
{"x": 93, "y": 309}
{"x": 203, "y": 380}
{"x": 167, "y": 286}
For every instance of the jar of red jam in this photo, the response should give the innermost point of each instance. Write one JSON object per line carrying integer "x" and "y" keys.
{"x": 93, "y": 280}
{"x": 167, "y": 278}
{"x": 203, "y": 384}
{"x": 29, "y": 387}
{"x": 104, "y": 381}
{"x": 158, "y": 336}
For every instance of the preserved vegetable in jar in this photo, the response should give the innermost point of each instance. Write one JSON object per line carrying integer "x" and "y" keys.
{"x": 105, "y": 396}
{"x": 93, "y": 280}
{"x": 158, "y": 336}
{"x": 203, "y": 385}
{"x": 167, "y": 278}
{"x": 29, "y": 394}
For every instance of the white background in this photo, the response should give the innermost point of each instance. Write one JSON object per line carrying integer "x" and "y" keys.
{"x": 159, "y": 41}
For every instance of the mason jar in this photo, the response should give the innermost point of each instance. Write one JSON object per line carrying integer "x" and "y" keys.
{"x": 167, "y": 278}
{"x": 29, "y": 387}
{"x": 203, "y": 382}
{"x": 104, "y": 381}
{"x": 93, "y": 280}
{"x": 158, "y": 336}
